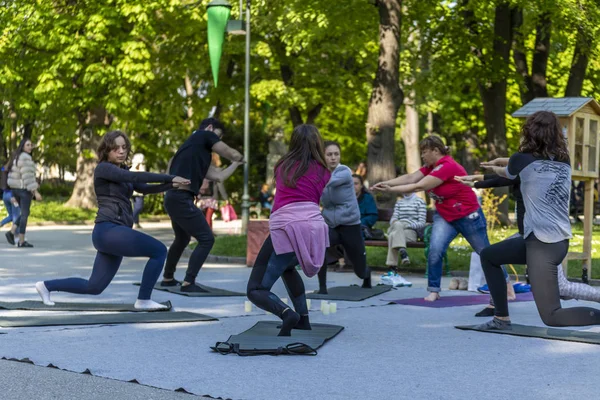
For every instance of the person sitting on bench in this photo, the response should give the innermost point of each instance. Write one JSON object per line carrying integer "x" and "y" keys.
{"x": 342, "y": 215}
{"x": 410, "y": 214}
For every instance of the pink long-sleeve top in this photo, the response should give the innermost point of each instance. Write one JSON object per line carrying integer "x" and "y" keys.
{"x": 298, "y": 225}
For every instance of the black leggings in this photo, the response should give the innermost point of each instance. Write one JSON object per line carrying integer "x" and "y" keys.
{"x": 187, "y": 221}
{"x": 542, "y": 260}
{"x": 351, "y": 239}
{"x": 269, "y": 267}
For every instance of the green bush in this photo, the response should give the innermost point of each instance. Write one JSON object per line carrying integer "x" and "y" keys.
{"x": 56, "y": 188}
{"x": 54, "y": 210}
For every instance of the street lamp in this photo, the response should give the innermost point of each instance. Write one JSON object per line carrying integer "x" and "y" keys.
{"x": 236, "y": 27}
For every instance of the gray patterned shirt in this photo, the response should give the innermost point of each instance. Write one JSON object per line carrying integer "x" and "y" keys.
{"x": 546, "y": 187}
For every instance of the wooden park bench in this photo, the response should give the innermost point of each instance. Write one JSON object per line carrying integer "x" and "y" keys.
{"x": 385, "y": 214}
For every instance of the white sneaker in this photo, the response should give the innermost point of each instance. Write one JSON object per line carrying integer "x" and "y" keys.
{"x": 395, "y": 281}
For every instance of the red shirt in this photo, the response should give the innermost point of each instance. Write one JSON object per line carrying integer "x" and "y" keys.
{"x": 453, "y": 200}
{"x": 309, "y": 187}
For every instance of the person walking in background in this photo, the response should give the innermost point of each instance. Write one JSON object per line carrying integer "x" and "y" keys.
{"x": 265, "y": 197}
{"x": 137, "y": 165}
{"x": 22, "y": 182}
{"x": 211, "y": 191}
{"x": 13, "y": 210}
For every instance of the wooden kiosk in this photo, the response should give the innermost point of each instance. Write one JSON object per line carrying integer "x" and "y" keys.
{"x": 580, "y": 120}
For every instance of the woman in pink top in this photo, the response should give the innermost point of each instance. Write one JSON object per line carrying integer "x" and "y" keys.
{"x": 298, "y": 232}
{"x": 457, "y": 209}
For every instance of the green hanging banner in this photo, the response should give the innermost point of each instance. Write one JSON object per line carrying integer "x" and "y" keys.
{"x": 218, "y": 15}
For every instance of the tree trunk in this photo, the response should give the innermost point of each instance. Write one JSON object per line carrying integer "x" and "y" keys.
{"x": 520, "y": 58}
{"x": 540, "y": 56}
{"x": 493, "y": 93}
{"x": 410, "y": 135}
{"x": 578, "y": 65}
{"x": 88, "y": 132}
{"x": 386, "y": 98}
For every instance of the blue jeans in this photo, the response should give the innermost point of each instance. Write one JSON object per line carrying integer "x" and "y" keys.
{"x": 114, "y": 242}
{"x": 13, "y": 212}
{"x": 268, "y": 268}
{"x": 138, "y": 205}
{"x": 473, "y": 227}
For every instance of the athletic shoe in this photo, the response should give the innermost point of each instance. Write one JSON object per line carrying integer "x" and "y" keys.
{"x": 193, "y": 288}
{"x": 395, "y": 281}
{"x": 486, "y": 312}
{"x": 522, "y": 287}
{"x": 10, "y": 238}
{"x": 484, "y": 289}
{"x": 463, "y": 284}
{"x": 173, "y": 282}
{"x": 25, "y": 244}
{"x": 404, "y": 257}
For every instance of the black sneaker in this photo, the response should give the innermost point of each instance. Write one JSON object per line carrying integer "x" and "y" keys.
{"x": 193, "y": 288}
{"x": 172, "y": 282}
{"x": 10, "y": 238}
{"x": 404, "y": 257}
{"x": 25, "y": 244}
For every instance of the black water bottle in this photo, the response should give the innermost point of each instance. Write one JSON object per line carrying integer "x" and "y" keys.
{"x": 584, "y": 276}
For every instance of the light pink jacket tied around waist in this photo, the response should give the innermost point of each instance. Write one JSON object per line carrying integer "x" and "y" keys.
{"x": 300, "y": 228}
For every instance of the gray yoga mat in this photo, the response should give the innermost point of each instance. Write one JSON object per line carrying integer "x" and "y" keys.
{"x": 38, "y": 305}
{"x": 566, "y": 335}
{"x": 349, "y": 293}
{"x": 212, "y": 292}
{"x": 103, "y": 319}
{"x": 262, "y": 339}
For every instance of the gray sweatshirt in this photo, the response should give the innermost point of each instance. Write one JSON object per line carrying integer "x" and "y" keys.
{"x": 340, "y": 206}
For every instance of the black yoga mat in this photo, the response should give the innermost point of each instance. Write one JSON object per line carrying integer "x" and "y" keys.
{"x": 566, "y": 335}
{"x": 212, "y": 292}
{"x": 262, "y": 339}
{"x": 349, "y": 293}
{"x": 103, "y": 319}
{"x": 38, "y": 305}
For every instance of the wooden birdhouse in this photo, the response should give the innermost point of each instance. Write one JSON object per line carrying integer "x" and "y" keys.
{"x": 580, "y": 121}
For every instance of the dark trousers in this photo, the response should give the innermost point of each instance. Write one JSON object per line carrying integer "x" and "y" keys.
{"x": 114, "y": 242}
{"x": 269, "y": 267}
{"x": 351, "y": 239}
{"x": 138, "y": 206}
{"x": 24, "y": 198}
{"x": 187, "y": 222}
{"x": 542, "y": 260}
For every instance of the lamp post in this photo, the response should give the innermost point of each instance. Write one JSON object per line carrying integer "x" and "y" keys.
{"x": 236, "y": 27}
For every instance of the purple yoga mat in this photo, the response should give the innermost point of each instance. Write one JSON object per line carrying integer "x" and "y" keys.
{"x": 456, "y": 301}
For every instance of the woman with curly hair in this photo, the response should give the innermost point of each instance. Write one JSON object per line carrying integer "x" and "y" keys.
{"x": 544, "y": 168}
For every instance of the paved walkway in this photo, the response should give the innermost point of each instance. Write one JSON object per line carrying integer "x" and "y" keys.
{"x": 385, "y": 352}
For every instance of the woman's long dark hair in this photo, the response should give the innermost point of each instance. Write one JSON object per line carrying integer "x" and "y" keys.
{"x": 108, "y": 144}
{"x": 306, "y": 146}
{"x": 542, "y": 136}
{"x": 16, "y": 154}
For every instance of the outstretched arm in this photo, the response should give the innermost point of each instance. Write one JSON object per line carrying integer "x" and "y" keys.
{"x": 219, "y": 175}
{"x": 144, "y": 188}
{"x": 222, "y": 149}
{"x": 111, "y": 172}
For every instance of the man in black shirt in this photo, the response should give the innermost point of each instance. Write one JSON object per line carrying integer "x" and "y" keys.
{"x": 192, "y": 161}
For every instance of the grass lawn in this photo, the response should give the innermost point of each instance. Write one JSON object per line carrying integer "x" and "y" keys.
{"x": 459, "y": 253}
